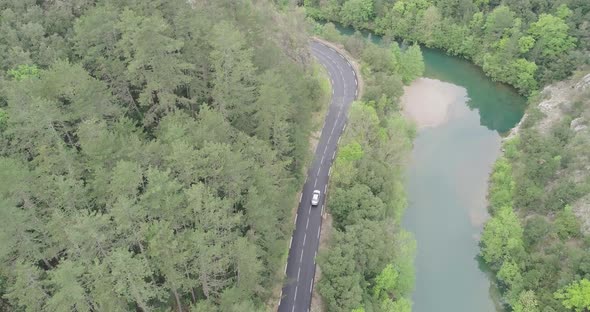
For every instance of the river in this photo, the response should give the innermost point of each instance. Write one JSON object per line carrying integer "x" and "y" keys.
{"x": 447, "y": 182}
{"x": 447, "y": 185}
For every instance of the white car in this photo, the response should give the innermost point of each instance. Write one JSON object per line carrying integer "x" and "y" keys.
{"x": 315, "y": 198}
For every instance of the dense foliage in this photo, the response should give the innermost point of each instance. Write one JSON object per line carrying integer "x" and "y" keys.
{"x": 150, "y": 152}
{"x": 524, "y": 43}
{"x": 368, "y": 265}
{"x": 533, "y": 242}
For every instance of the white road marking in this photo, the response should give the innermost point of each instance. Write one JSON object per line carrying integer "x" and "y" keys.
{"x": 342, "y": 57}
{"x": 306, "y": 225}
{"x": 295, "y": 296}
{"x": 344, "y": 128}
{"x": 339, "y": 140}
{"x": 286, "y": 267}
{"x": 322, "y": 161}
{"x": 329, "y": 174}
{"x": 296, "y": 216}
{"x": 315, "y": 183}
{"x": 316, "y": 254}
{"x": 333, "y": 155}
{"x": 319, "y": 169}
{"x": 332, "y": 91}
{"x": 329, "y": 139}
{"x": 293, "y": 309}
{"x": 325, "y": 188}
{"x": 356, "y": 81}
{"x": 319, "y": 228}
{"x": 310, "y": 285}
{"x": 325, "y": 149}
{"x": 305, "y": 236}
{"x": 322, "y": 215}
{"x": 301, "y": 257}
{"x": 298, "y": 273}
{"x": 349, "y": 64}
{"x": 300, "y": 197}
{"x": 291, "y": 242}
{"x": 356, "y": 92}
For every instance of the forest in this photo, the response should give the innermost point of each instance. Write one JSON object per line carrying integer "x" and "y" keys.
{"x": 525, "y": 43}
{"x": 150, "y": 152}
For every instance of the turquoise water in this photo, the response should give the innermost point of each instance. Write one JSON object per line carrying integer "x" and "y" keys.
{"x": 447, "y": 186}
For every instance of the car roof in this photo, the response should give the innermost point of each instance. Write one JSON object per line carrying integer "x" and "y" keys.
{"x": 316, "y": 191}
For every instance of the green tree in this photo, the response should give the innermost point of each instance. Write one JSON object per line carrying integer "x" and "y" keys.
{"x": 576, "y": 296}
{"x": 27, "y": 290}
{"x": 386, "y": 281}
{"x": 567, "y": 224}
{"x": 3, "y": 119}
{"x": 551, "y": 36}
{"x": 527, "y": 302}
{"x": 67, "y": 288}
{"x": 234, "y": 83}
{"x": 411, "y": 64}
{"x": 501, "y": 190}
{"x": 351, "y": 152}
{"x": 357, "y": 12}
{"x": 400, "y": 305}
{"x": 23, "y": 72}
{"x": 498, "y": 23}
{"x": 340, "y": 285}
{"x": 502, "y": 237}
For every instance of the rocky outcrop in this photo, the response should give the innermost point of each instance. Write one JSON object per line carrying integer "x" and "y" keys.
{"x": 556, "y": 99}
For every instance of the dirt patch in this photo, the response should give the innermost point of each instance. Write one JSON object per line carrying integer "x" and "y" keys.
{"x": 427, "y": 101}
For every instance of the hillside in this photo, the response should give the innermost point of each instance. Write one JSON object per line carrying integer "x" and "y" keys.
{"x": 538, "y": 241}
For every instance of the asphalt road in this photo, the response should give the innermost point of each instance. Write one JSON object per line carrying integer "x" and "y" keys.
{"x": 301, "y": 264}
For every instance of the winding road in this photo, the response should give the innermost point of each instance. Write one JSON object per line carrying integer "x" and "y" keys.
{"x": 301, "y": 263}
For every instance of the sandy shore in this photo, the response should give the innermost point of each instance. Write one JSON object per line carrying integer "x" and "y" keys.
{"x": 427, "y": 101}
